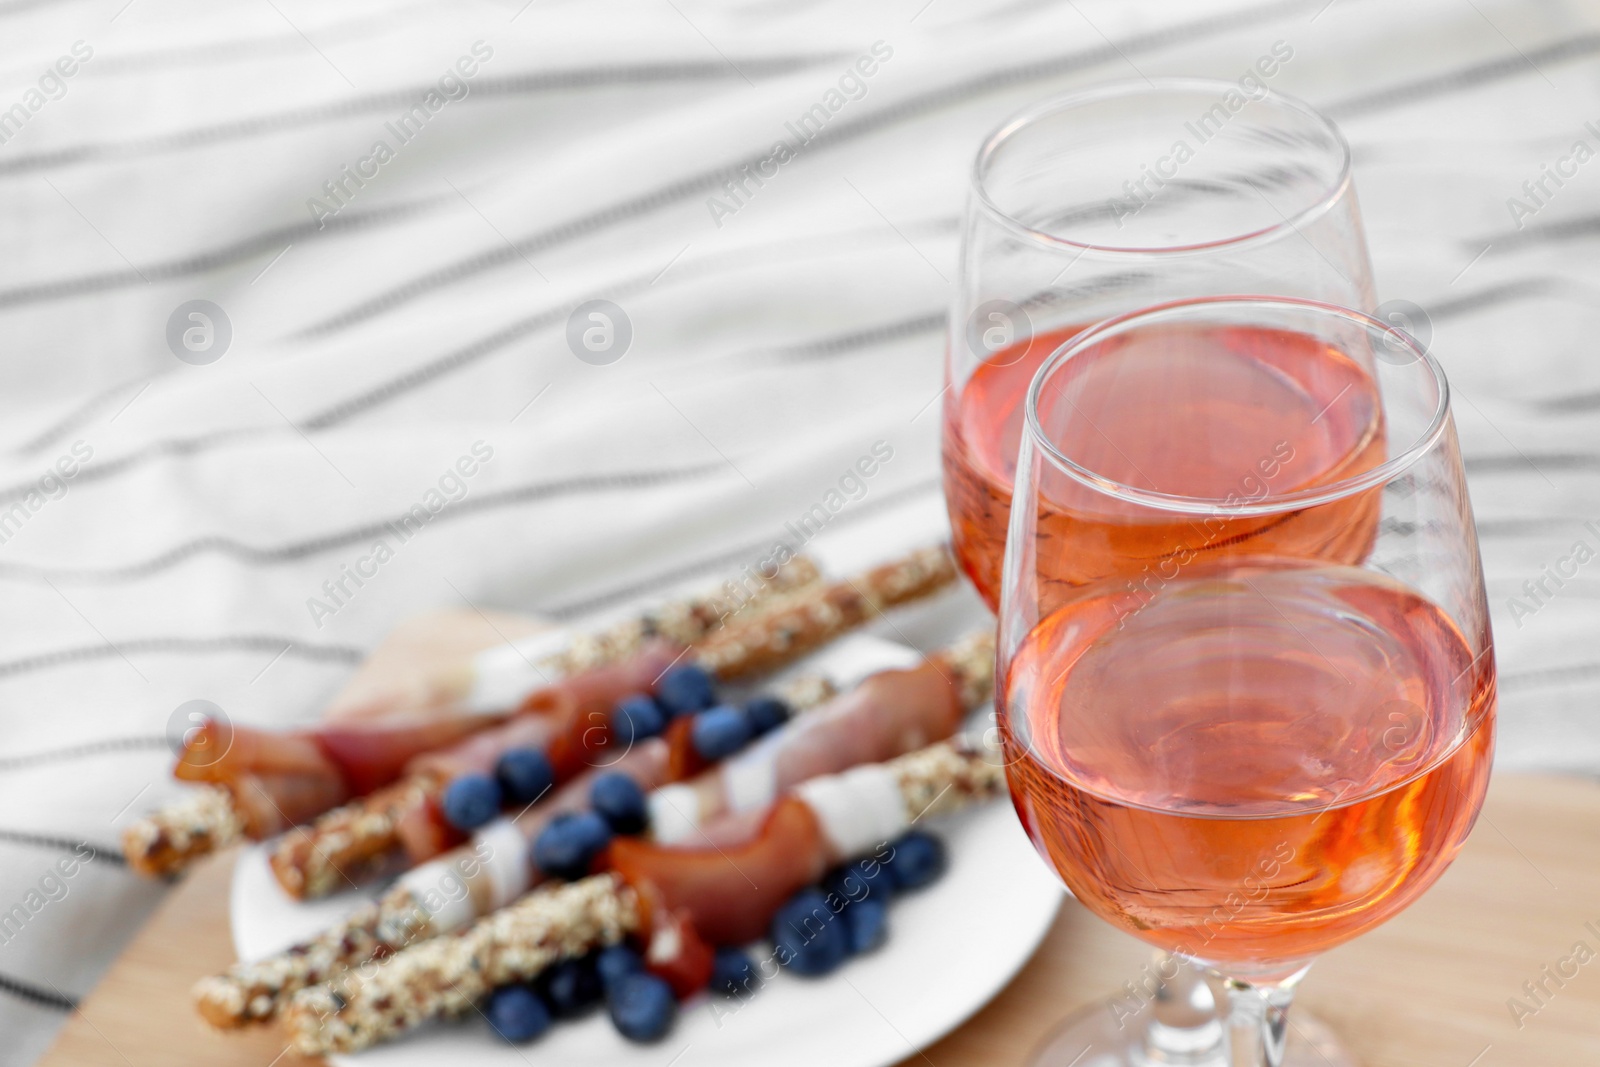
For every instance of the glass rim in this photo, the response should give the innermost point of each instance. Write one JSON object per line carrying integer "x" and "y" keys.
{"x": 1278, "y": 504}
{"x": 1033, "y": 113}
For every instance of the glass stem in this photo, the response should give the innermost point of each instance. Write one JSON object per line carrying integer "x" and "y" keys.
{"x": 1258, "y": 1019}
{"x": 1183, "y": 1029}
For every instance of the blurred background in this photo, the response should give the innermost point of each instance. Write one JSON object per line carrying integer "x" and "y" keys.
{"x": 275, "y": 275}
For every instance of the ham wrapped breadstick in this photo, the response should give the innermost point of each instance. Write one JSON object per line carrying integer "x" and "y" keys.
{"x": 889, "y": 713}
{"x": 353, "y": 841}
{"x": 502, "y": 677}
{"x": 648, "y": 889}
{"x": 265, "y": 782}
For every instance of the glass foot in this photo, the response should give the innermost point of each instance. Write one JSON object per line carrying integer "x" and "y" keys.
{"x": 1113, "y": 1034}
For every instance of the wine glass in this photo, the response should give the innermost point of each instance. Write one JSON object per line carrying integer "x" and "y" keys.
{"x": 1115, "y": 198}
{"x": 1095, "y": 203}
{"x": 1247, "y": 681}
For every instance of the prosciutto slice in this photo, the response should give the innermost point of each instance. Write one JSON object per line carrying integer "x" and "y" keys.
{"x": 889, "y": 714}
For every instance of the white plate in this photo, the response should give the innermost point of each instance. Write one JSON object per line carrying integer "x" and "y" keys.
{"x": 951, "y": 948}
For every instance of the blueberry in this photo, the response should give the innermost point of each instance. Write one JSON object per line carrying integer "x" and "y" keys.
{"x": 918, "y": 859}
{"x": 868, "y": 924}
{"x": 618, "y": 800}
{"x": 470, "y": 801}
{"x": 807, "y": 936}
{"x": 685, "y": 689}
{"x": 732, "y": 973}
{"x": 571, "y": 987}
{"x": 616, "y": 962}
{"x": 637, "y": 718}
{"x": 844, "y": 885}
{"x": 720, "y": 732}
{"x": 863, "y": 879}
{"x": 642, "y": 1007}
{"x": 566, "y": 847}
{"x": 524, "y": 775}
{"x": 766, "y": 714}
{"x": 516, "y": 1013}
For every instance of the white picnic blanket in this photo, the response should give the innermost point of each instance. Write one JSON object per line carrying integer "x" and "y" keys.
{"x": 396, "y": 209}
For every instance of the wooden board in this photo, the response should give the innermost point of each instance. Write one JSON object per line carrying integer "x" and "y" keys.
{"x": 1429, "y": 989}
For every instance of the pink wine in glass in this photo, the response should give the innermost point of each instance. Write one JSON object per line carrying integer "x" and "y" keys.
{"x": 1262, "y": 762}
{"x": 1222, "y": 412}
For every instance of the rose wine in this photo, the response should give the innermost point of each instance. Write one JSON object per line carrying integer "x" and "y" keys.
{"x": 1260, "y": 763}
{"x": 1232, "y": 414}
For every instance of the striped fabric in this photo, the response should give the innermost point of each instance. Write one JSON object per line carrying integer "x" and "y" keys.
{"x": 397, "y": 208}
